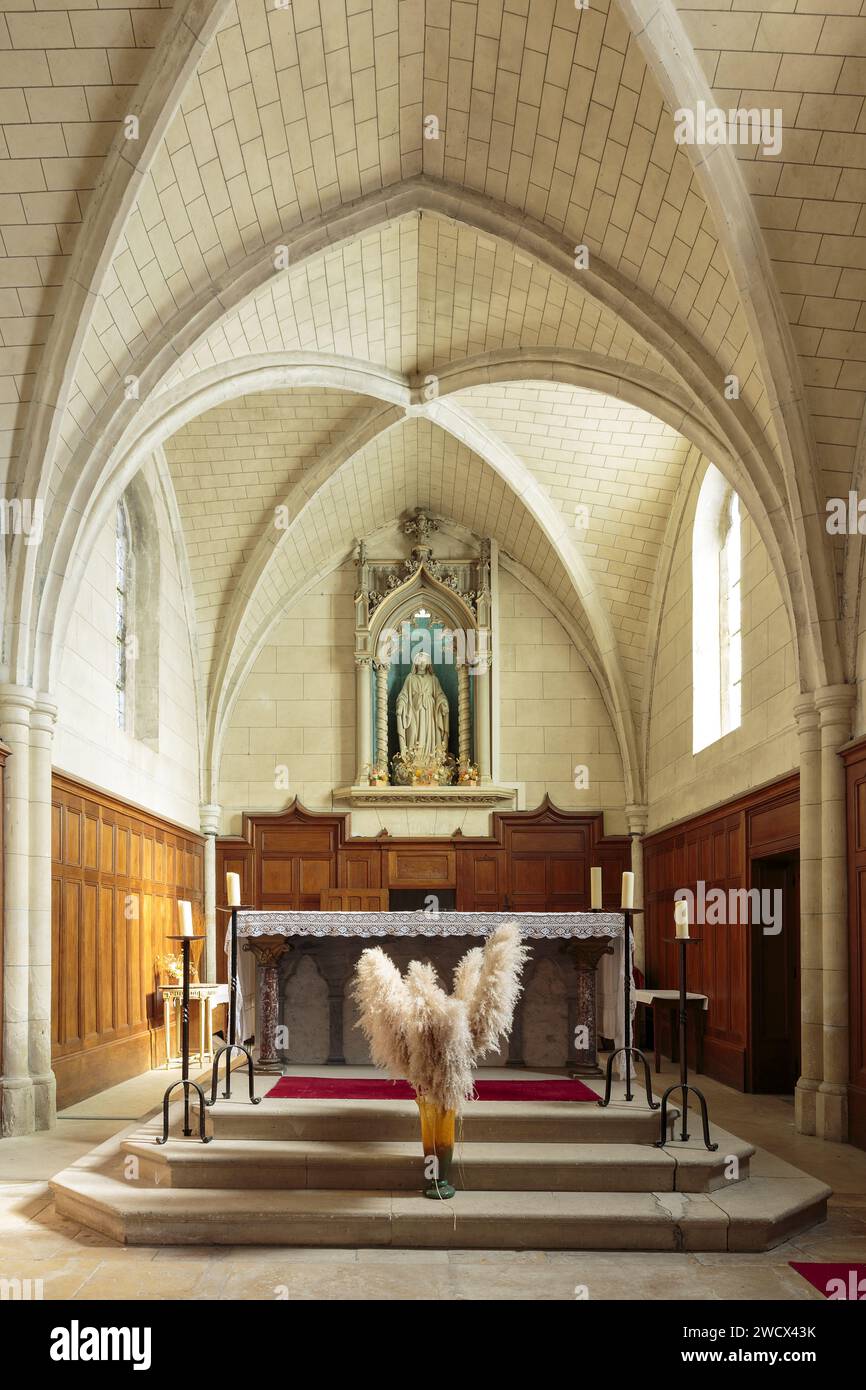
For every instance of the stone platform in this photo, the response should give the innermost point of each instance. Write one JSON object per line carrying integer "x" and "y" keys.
{"x": 558, "y": 1176}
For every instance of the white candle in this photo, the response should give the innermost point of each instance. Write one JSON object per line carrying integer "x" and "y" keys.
{"x": 184, "y": 912}
{"x": 681, "y": 919}
{"x": 628, "y": 889}
{"x": 595, "y": 887}
{"x": 233, "y": 890}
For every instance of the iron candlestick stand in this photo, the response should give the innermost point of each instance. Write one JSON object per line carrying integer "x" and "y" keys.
{"x": 232, "y": 1045}
{"x": 627, "y": 1050}
{"x": 683, "y": 1083}
{"x": 185, "y": 1082}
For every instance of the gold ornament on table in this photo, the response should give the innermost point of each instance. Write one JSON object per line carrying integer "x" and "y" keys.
{"x": 435, "y": 1040}
{"x": 171, "y": 964}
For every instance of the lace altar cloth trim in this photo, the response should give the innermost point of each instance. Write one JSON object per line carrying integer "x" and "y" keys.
{"x": 532, "y": 924}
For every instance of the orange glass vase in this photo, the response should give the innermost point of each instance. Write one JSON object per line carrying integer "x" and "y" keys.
{"x": 437, "y": 1140}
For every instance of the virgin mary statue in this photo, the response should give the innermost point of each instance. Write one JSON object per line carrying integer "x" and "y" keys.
{"x": 422, "y": 711}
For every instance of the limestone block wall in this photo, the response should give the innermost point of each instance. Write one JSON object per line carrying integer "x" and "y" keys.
{"x": 162, "y": 775}
{"x": 765, "y": 745}
{"x": 292, "y": 730}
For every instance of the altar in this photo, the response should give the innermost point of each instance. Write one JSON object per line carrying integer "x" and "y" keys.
{"x": 302, "y": 988}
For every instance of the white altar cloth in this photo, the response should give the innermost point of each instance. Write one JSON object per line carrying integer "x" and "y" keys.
{"x": 481, "y": 924}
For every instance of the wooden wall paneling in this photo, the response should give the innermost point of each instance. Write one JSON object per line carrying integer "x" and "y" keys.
{"x": 117, "y": 874}
{"x": 717, "y": 847}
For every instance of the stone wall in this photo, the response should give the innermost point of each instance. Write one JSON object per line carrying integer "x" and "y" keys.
{"x": 160, "y": 775}
{"x": 765, "y": 745}
{"x": 292, "y": 731}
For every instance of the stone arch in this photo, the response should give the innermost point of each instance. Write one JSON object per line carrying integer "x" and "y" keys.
{"x": 654, "y": 325}
{"x": 671, "y": 58}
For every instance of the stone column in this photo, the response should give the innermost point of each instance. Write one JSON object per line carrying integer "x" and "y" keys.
{"x": 42, "y": 720}
{"x": 363, "y": 715}
{"x": 811, "y": 1008}
{"x": 834, "y": 704}
{"x": 381, "y": 713}
{"x": 464, "y": 718}
{"x": 209, "y": 819}
{"x": 482, "y": 708}
{"x": 18, "y": 1113}
{"x": 267, "y": 951}
{"x": 636, "y": 819}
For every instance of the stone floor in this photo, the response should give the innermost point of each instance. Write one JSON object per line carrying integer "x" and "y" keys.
{"x": 75, "y": 1263}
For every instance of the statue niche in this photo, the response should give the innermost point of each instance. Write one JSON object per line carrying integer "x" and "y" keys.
{"x": 422, "y": 664}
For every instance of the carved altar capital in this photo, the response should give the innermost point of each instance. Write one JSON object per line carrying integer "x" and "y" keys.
{"x": 268, "y": 950}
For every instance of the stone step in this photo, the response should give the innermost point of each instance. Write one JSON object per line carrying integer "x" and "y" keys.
{"x": 484, "y": 1122}
{"x": 398, "y": 1166}
{"x": 746, "y": 1217}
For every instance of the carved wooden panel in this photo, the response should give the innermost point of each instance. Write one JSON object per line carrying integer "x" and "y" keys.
{"x": 424, "y": 867}
{"x": 716, "y": 848}
{"x": 117, "y": 874}
{"x": 355, "y": 900}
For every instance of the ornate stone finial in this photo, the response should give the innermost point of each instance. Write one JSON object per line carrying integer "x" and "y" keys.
{"x": 421, "y": 526}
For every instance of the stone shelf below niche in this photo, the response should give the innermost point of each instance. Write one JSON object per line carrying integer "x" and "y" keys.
{"x": 487, "y": 795}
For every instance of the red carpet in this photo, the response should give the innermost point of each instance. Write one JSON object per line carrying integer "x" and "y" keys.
{"x": 372, "y": 1088}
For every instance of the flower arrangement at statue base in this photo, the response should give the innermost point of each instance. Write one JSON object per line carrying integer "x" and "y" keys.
{"x": 435, "y": 1040}
{"x": 416, "y": 769}
{"x": 467, "y": 774}
{"x": 377, "y": 774}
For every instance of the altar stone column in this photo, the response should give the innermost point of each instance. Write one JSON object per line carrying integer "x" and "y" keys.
{"x": 209, "y": 819}
{"x": 363, "y": 715}
{"x": 268, "y": 951}
{"x": 834, "y": 704}
{"x": 636, "y": 819}
{"x": 381, "y": 712}
{"x": 42, "y": 720}
{"x": 811, "y": 1037}
{"x": 17, "y": 1108}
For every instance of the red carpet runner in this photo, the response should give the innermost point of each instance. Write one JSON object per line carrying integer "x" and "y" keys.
{"x": 372, "y": 1088}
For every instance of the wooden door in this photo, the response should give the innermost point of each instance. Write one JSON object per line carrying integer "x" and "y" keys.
{"x": 773, "y": 1063}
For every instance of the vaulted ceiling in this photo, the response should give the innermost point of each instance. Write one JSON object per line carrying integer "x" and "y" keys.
{"x": 404, "y": 187}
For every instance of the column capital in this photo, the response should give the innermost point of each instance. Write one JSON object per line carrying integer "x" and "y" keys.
{"x": 804, "y": 709}
{"x": 363, "y": 659}
{"x": 16, "y": 702}
{"x": 209, "y": 818}
{"x": 835, "y": 702}
{"x": 637, "y": 818}
{"x": 44, "y": 715}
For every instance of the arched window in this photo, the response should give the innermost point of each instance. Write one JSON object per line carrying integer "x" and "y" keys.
{"x": 716, "y": 612}
{"x": 123, "y": 607}
{"x": 136, "y": 614}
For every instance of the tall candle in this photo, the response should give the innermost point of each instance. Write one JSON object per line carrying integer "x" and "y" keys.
{"x": 628, "y": 889}
{"x": 233, "y": 890}
{"x": 681, "y": 918}
{"x": 595, "y": 887}
{"x": 184, "y": 912}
